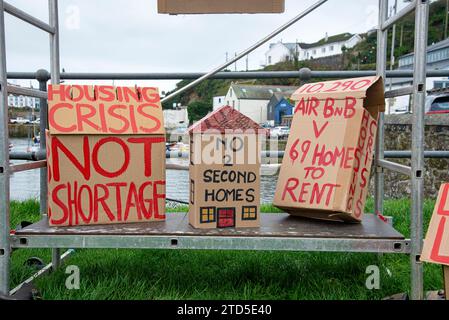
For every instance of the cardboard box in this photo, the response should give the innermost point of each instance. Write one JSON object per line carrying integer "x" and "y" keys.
{"x": 225, "y": 171}
{"x": 326, "y": 167}
{"x": 436, "y": 243}
{"x": 220, "y": 6}
{"x": 106, "y": 155}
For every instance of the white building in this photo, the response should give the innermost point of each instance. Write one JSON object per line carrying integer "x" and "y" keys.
{"x": 437, "y": 59}
{"x": 22, "y": 101}
{"x": 218, "y": 102}
{"x": 328, "y": 46}
{"x": 176, "y": 118}
{"x": 252, "y": 101}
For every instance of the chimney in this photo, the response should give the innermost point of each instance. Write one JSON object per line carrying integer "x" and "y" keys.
{"x": 326, "y": 37}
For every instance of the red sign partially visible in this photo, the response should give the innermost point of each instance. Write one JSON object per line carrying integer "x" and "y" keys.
{"x": 436, "y": 244}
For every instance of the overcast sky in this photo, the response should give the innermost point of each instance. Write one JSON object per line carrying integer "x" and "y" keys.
{"x": 130, "y": 36}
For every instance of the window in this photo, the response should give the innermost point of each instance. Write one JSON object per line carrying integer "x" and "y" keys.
{"x": 314, "y": 51}
{"x": 249, "y": 213}
{"x": 440, "y": 104}
{"x": 230, "y": 93}
{"x": 219, "y": 100}
{"x": 323, "y": 50}
{"x": 441, "y": 84}
{"x": 445, "y": 53}
{"x": 191, "y": 150}
{"x": 331, "y": 48}
{"x": 269, "y": 59}
{"x": 438, "y": 85}
{"x": 192, "y": 191}
{"x": 207, "y": 214}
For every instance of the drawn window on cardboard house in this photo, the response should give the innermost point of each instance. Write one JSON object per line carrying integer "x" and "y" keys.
{"x": 207, "y": 214}
{"x": 224, "y": 170}
{"x": 249, "y": 213}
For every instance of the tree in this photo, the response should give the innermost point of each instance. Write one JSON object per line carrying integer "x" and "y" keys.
{"x": 197, "y": 110}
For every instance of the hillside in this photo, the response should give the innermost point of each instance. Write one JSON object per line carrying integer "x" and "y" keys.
{"x": 361, "y": 57}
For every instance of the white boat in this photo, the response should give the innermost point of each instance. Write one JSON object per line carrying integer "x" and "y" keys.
{"x": 179, "y": 146}
{"x": 183, "y": 164}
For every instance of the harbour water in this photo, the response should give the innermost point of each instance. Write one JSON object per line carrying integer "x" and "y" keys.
{"x": 25, "y": 185}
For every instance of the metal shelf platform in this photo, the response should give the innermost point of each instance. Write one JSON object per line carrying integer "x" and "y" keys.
{"x": 278, "y": 232}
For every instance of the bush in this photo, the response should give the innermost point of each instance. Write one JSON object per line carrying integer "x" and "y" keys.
{"x": 197, "y": 110}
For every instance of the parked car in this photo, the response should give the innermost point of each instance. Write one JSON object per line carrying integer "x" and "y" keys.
{"x": 20, "y": 120}
{"x": 280, "y": 132}
{"x": 267, "y": 128}
{"x": 436, "y": 104}
{"x": 37, "y": 121}
{"x": 400, "y": 110}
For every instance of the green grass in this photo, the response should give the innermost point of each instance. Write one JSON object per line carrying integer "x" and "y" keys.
{"x": 188, "y": 274}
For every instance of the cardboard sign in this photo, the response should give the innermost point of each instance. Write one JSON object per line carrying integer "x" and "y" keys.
{"x": 106, "y": 155}
{"x": 436, "y": 243}
{"x": 225, "y": 171}
{"x": 220, "y": 6}
{"x": 326, "y": 167}
{"x": 83, "y": 109}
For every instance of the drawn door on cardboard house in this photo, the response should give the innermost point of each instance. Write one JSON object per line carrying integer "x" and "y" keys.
{"x": 226, "y": 217}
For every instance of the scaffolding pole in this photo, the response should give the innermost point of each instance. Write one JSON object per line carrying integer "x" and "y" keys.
{"x": 247, "y": 51}
{"x": 419, "y": 98}
{"x": 55, "y": 79}
{"x": 381, "y": 65}
{"x": 4, "y": 164}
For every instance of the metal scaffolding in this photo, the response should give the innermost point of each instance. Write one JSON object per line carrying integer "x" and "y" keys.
{"x": 378, "y": 237}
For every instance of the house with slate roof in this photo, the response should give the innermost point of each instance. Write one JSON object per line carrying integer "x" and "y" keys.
{"x": 437, "y": 59}
{"x": 279, "y": 106}
{"x": 328, "y": 46}
{"x": 224, "y": 171}
{"x": 252, "y": 100}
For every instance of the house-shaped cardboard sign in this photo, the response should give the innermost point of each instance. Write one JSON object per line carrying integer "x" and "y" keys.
{"x": 106, "y": 155}
{"x": 225, "y": 170}
{"x": 327, "y": 162}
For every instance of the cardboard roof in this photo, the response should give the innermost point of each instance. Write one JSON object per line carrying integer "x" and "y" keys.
{"x": 225, "y": 118}
{"x": 87, "y": 109}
